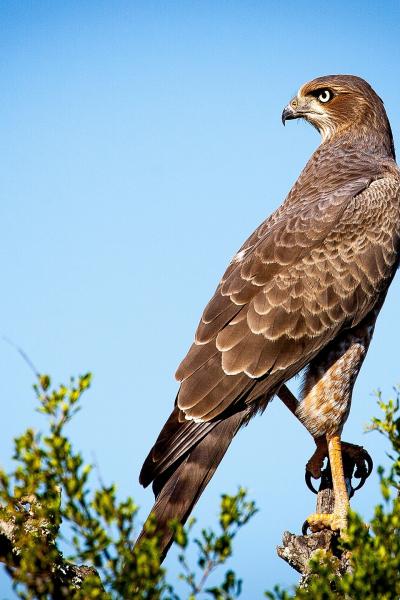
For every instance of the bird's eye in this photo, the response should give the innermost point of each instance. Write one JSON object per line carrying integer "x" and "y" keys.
{"x": 324, "y": 96}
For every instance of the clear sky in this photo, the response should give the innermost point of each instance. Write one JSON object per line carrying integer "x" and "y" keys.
{"x": 141, "y": 142}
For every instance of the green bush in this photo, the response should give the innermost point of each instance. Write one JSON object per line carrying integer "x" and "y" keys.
{"x": 51, "y": 504}
{"x": 63, "y": 537}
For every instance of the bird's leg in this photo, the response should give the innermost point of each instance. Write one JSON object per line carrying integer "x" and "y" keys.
{"x": 288, "y": 399}
{"x": 337, "y": 521}
{"x": 357, "y": 461}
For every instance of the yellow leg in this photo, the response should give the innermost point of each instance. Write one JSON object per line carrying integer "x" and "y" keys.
{"x": 339, "y": 485}
{"x": 338, "y": 519}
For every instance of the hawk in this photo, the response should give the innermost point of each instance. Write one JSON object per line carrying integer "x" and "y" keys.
{"x": 302, "y": 293}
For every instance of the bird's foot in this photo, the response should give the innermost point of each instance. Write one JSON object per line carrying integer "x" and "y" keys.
{"x": 316, "y": 463}
{"x": 356, "y": 462}
{"x": 318, "y": 521}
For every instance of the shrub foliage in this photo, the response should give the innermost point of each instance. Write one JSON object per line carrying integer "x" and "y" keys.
{"x": 63, "y": 535}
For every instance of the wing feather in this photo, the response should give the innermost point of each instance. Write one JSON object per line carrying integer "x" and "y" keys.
{"x": 311, "y": 270}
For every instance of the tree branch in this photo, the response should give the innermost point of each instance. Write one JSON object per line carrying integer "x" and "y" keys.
{"x": 62, "y": 577}
{"x": 298, "y": 550}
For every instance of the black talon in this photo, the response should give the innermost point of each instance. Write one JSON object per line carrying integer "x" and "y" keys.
{"x": 363, "y": 471}
{"x": 370, "y": 464}
{"x": 365, "y": 475}
{"x": 362, "y": 479}
{"x": 309, "y": 483}
{"x": 358, "y": 486}
{"x": 360, "y": 472}
{"x": 305, "y": 527}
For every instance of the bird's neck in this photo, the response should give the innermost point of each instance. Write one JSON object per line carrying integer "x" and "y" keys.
{"x": 372, "y": 135}
{"x": 369, "y": 140}
{"x": 355, "y": 152}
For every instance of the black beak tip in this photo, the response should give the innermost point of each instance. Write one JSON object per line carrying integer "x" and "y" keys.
{"x": 287, "y": 114}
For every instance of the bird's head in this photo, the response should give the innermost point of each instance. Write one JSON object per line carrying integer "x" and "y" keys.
{"x": 338, "y": 103}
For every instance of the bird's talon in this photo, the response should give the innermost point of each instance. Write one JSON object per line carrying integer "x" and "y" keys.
{"x": 319, "y": 521}
{"x": 359, "y": 485}
{"x": 308, "y": 476}
{"x": 304, "y": 528}
{"x": 360, "y": 461}
{"x": 315, "y": 465}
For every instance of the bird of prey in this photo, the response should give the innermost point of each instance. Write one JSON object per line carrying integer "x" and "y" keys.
{"x": 302, "y": 293}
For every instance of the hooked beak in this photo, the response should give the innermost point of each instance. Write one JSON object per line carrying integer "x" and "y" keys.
{"x": 289, "y": 112}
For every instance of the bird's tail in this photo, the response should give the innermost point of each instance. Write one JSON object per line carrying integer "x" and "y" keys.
{"x": 181, "y": 485}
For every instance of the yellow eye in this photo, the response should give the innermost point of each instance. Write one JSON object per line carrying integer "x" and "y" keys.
{"x": 325, "y": 96}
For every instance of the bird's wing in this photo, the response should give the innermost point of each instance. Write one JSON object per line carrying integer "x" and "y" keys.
{"x": 311, "y": 270}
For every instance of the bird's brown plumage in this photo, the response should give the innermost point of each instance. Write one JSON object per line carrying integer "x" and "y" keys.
{"x": 306, "y": 284}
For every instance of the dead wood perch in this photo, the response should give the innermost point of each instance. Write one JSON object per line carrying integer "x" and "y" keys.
{"x": 297, "y": 550}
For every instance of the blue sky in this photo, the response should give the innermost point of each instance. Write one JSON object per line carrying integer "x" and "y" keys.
{"x": 141, "y": 143}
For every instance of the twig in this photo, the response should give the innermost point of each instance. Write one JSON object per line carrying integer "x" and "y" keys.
{"x": 23, "y": 354}
{"x": 64, "y": 576}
